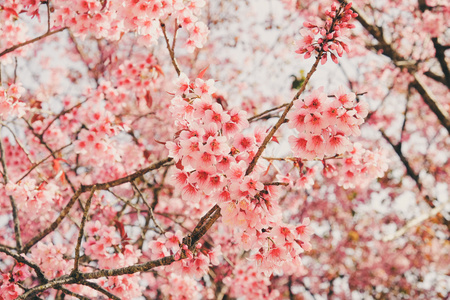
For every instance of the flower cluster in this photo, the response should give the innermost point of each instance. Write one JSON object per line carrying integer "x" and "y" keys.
{"x": 139, "y": 75}
{"x": 111, "y": 19}
{"x": 324, "y": 124}
{"x": 198, "y": 261}
{"x": 33, "y": 197}
{"x": 9, "y": 290}
{"x": 102, "y": 245}
{"x": 51, "y": 259}
{"x": 362, "y": 164}
{"x": 10, "y": 105}
{"x": 106, "y": 246}
{"x": 212, "y": 159}
{"x": 330, "y": 34}
{"x": 96, "y": 143}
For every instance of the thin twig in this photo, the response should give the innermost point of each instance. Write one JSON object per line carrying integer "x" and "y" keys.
{"x": 258, "y": 116}
{"x": 70, "y": 293}
{"x": 62, "y": 113}
{"x": 41, "y": 161}
{"x": 11, "y": 199}
{"x": 81, "y": 232}
{"x": 11, "y": 49}
{"x": 97, "y": 287}
{"x": 48, "y": 16}
{"x": 171, "y": 51}
{"x": 18, "y": 142}
{"x": 150, "y": 210}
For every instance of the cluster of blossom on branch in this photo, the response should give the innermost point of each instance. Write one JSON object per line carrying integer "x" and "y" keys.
{"x": 212, "y": 160}
{"x": 111, "y": 19}
{"x": 330, "y": 34}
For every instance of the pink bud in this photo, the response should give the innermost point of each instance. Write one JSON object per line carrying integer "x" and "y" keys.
{"x": 308, "y": 25}
{"x": 323, "y": 60}
{"x": 334, "y": 58}
{"x": 330, "y": 36}
{"x": 348, "y": 6}
{"x": 325, "y": 47}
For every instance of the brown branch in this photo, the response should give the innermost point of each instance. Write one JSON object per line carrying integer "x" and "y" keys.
{"x": 15, "y": 212}
{"x": 129, "y": 178}
{"x": 22, "y": 259}
{"x": 81, "y": 232}
{"x": 87, "y": 188}
{"x": 410, "y": 172}
{"x": 37, "y": 289}
{"x": 403, "y": 63}
{"x": 150, "y": 210}
{"x": 80, "y": 278}
{"x": 283, "y": 116}
{"x": 435, "y": 77}
{"x": 97, "y": 287}
{"x": 428, "y": 98}
{"x": 48, "y": 15}
{"x": 41, "y": 140}
{"x": 171, "y": 51}
{"x": 277, "y": 183}
{"x": 11, "y": 49}
{"x": 70, "y": 293}
{"x": 55, "y": 223}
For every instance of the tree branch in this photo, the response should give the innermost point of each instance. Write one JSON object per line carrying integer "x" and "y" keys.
{"x": 97, "y": 287}
{"x": 11, "y": 49}
{"x": 22, "y": 259}
{"x": 81, "y": 232}
{"x": 87, "y": 188}
{"x": 15, "y": 212}
{"x": 171, "y": 51}
{"x": 401, "y": 62}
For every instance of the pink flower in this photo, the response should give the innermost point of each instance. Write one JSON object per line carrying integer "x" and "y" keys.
{"x": 243, "y": 143}
{"x": 298, "y": 146}
{"x": 251, "y": 185}
{"x": 316, "y": 100}
{"x": 314, "y": 123}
